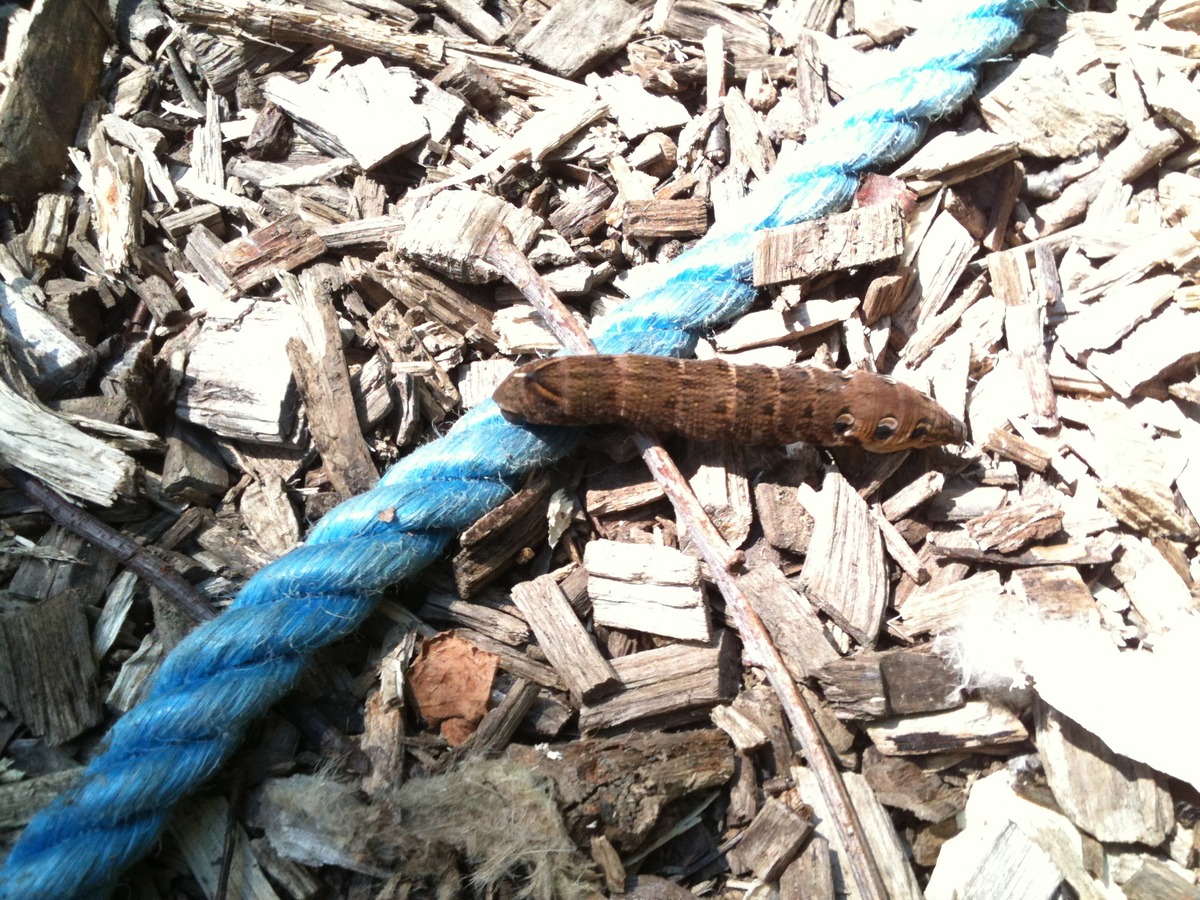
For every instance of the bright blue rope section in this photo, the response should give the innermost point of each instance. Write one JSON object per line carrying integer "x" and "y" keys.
{"x": 229, "y": 671}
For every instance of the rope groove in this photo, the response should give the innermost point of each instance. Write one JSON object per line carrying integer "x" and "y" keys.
{"x": 229, "y": 671}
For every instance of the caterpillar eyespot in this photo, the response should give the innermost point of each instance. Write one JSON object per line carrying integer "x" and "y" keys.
{"x": 709, "y": 400}
{"x": 886, "y": 427}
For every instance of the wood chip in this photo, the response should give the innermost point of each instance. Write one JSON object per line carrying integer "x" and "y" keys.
{"x": 772, "y": 840}
{"x": 975, "y": 724}
{"x": 1131, "y": 805}
{"x": 655, "y": 590}
{"x": 564, "y": 640}
{"x": 671, "y": 685}
{"x": 577, "y": 35}
{"x": 845, "y": 573}
{"x": 865, "y": 235}
{"x": 334, "y": 113}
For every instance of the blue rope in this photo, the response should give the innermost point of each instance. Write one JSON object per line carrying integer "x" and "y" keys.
{"x": 229, "y": 671}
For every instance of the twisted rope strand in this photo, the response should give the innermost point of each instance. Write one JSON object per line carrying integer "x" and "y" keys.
{"x": 229, "y": 671}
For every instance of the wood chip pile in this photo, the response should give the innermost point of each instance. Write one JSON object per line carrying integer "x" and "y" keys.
{"x": 260, "y": 281}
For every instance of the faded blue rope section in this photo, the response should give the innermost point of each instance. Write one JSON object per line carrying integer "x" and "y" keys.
{"x": 229, "y": 671}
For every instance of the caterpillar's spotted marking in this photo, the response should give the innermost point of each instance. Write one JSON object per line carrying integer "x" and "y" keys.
{"x": 710, "y": 400}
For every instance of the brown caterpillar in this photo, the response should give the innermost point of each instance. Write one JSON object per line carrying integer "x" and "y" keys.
{"x": 710, "y": 400}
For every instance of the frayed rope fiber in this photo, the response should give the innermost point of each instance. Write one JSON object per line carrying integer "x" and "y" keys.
{"x": 229, "y": 671}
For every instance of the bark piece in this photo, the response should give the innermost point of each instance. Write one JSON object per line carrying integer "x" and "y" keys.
{"x": 1099, "y": 325}
{"x": 269, "y": 515}
{"x": 1057, "y": 591}
{"x": 938, "y": 263}
{"x": 810, "y": 876}
{"x": 1111, "y": 797}
{"x": 941, "y": 608}
{"x": 952, "y": 545}
{"x": 118, "y": 195}
{"x": 1010, "y": 865}
{"x": 55, "y": 361}
{"x": 48, "y": 232}
{"x": 47, "y": 673}
{"x": 638, "y": 113}
{"x": 202, "y": 829}
{"x": 1177, "y": 101}
{"x": 1023, "y": 326}
{"x": 324, "y": 382}
{"x": 933, "y": 330}
{"x": 976, "y": 723}
{"x": 434, "y": 297}
{"x": 271, "y": 136}
{"x": 239, "y": 380}
{"x": 640, "y": 587}
{"x": 912, "y": 495}
{"x": 671, "y": 685}
{"x": 192, "y": 469}
{"x": 718, "y": 475}
{"x": 401, "y": 346}
{"x": 845, "y": 573}
{"x": 501, "y": 535}
{"x": 583, "y": 213}
{"x": 665, "y": 218}
{"x": 486, "y": 614}
{"x": 364, "y": 112}
{"x": 264, "y": 253}
{"x": 618, "y": 489}
{"x": 564, "y": 640}
{"x": 1050, "y": 113}
{"x": 772, "y": 840}
{"x": 899, "y": 682}
{"x": 1155, "y": 880}
{"x": 1165, "y": 342}
{"x": 903, "y": 784}
{"x": 44, "y": 94}
{"x": 606, "y": 857}
{"x": 869, "y": 234}
{"x": 748, "y": 141}
{"x": 41, "y": 443}
{"x": 785, "y": 522}
{"x": 1012, "y": 527}
{"x": 742, "y": 730}
{"x": 473, "y": 19}
{"x": 20, "y": 801}
{"x": 498, "y": 725}
{"x": 452, "y": 231}
{"x": 372, "y": 231}
{"x": 201, "y": 250}
{"x": 1144, "y": 146}
{"x": 1155, "y": 588}
{"x": 1019, "y": 450}
{"x": 465, "y": 79}
{"x": 689, "y": 20}
{"x": 577, "y": 35}
{"x": 797, "y": 632}
{"x": 952, "y": 157}
{"x": 623, "y": 785}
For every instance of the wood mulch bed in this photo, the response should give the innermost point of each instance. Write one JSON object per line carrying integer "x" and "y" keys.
{"x": 255, "y": 276}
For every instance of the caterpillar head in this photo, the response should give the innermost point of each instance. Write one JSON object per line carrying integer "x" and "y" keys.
{"x": 883, "y": 416}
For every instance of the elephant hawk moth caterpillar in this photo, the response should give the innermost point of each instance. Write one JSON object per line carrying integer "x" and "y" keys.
{"x": 711, "y": 400}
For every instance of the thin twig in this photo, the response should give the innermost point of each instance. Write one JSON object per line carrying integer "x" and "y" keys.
{"x": 130, "y": 553}
{"x": 721, "y": 559}
{"x": 155, "y": 572}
